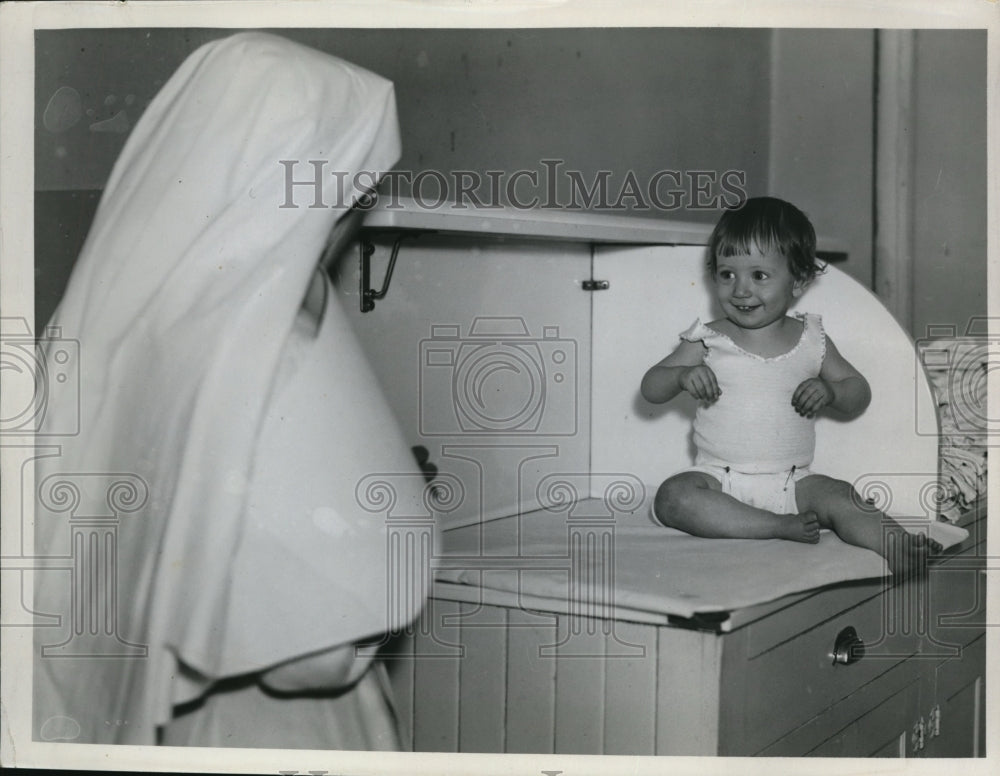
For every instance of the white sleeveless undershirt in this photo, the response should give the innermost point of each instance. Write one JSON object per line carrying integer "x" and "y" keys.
{"x": 752, "y": 427}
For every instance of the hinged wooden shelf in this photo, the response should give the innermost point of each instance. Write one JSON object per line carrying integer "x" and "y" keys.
{"x": 548, "y": 224}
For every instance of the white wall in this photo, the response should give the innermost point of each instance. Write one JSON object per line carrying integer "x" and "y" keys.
{"x": 821, "y": 134}
{"x": 791, "y": 108}
{"x": 950, "y": 179}
{"x": 821, "y": 156}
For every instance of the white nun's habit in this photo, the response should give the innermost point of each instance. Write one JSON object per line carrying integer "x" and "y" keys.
{"x": 218, "y": 567}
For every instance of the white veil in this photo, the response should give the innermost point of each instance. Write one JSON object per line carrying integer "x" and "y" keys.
{"x": 182, "y": 301}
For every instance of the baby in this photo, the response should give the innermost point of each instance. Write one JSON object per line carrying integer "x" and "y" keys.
{"x": 761, "y": 376}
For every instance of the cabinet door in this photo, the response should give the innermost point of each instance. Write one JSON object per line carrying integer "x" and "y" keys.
{"x": 487, "y": 371}
{"x": 885, "y": 731}
{"x": 959, "y": 706}
{"x": 895, "y": 748}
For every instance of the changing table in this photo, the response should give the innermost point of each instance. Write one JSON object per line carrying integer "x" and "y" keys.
{"x": 490, "y": 670}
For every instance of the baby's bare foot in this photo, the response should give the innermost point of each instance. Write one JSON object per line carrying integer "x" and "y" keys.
{"x": 803, "y": 527}
{"x": 906, "y": 553}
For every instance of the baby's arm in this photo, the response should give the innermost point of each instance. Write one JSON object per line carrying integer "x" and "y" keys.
{"x": 682, "y": 370}
{"x": 839, "y": 386}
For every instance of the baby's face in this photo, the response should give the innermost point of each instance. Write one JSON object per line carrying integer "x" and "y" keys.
{"x": 756, "y": 289}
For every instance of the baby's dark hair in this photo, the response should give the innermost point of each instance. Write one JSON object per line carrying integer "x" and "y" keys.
{"x": 766, "y": 223}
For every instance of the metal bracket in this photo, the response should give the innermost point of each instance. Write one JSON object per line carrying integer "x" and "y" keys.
{"x": 367, "y": 248}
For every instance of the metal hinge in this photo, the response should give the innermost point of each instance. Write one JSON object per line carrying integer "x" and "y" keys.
{"x": 917, "y": 740}
{"x": 596, "y": 285}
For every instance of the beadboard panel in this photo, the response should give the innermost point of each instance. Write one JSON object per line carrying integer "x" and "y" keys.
{"x": 482, "y": 692}
{"x": 528, "y": 682}
{"x": 630, "y": 693}
{"x": 436, "y": 681}
{"x": 688, "y": 672}
{"x": 580, "y": 686}
{"x": 531, "y": 681}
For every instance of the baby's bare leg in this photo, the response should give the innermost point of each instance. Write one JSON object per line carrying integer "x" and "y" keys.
{"x": 841, "y": 509}
{"x": 694, "y": 502}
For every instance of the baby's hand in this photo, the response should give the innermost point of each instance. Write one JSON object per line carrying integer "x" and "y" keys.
{"x": 811, "y": 396}
{"x": 700, "y": 382}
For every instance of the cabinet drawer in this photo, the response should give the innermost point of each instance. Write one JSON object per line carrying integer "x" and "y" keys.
{"x": 819, "y": 735}
{"x": 797, "y": 679}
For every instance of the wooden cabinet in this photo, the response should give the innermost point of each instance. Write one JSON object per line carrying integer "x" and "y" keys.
{"x": 486, "y": 674}
{"x": 929, "y": 703}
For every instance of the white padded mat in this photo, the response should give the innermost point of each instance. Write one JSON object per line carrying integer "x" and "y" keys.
{"x": 654, "y": 569}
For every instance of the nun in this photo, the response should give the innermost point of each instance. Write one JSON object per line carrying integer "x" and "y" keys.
{"x": 214, "y": 577}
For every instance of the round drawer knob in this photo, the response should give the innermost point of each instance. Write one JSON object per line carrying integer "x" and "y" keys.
{"x": 848, "y": 648}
